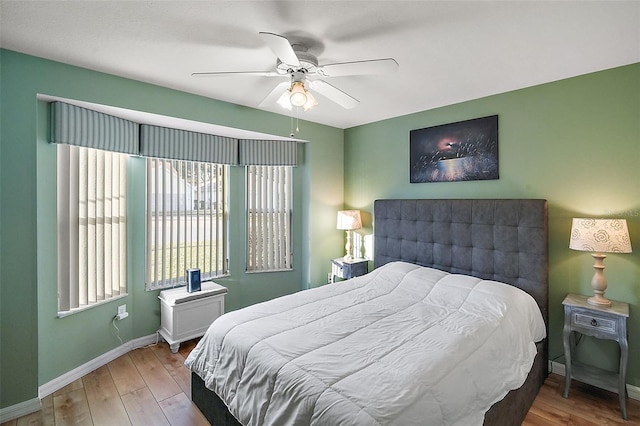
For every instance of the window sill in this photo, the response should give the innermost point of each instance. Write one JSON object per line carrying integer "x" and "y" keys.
{"x": 63, "y": 314}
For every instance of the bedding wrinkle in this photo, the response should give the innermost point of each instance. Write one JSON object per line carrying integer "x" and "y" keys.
{"x": 250, "y": 339}
{"x": 319, "y": 419}
{"x": 367, "y": 361}
{"x": 389, "y": 348}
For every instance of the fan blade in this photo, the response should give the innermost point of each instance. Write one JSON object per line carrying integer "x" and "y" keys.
{"x": 236, "y": 73}
{"x": 334, "y": 94}
{"x": 373, "y": 66}
{"x": 282, "y": 48}
{"x": 272, "y": 97}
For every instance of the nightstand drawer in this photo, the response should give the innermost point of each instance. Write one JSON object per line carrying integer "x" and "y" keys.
{"x": 347, "y": 269}
{"x": 588, "y": 321}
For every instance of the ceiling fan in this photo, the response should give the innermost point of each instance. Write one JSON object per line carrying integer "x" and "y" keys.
{"x": 301, "y": 66}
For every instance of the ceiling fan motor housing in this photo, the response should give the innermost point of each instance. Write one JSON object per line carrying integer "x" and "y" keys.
{"x": 308, "y": 62}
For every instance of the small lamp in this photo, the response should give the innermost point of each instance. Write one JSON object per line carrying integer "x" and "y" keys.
{"x": 600, "y": 236}
{"x": 348, "y": 220}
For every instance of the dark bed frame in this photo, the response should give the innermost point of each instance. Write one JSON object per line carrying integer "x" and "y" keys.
{"x": 498, "y": 239}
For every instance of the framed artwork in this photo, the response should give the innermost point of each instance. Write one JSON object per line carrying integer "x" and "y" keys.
{"x": 466, "y": 150}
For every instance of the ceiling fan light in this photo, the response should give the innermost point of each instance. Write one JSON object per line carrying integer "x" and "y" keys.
{"x": 283, "y": 100}
{"x": 298, "y": 96}
{"x": 311, "y": 101}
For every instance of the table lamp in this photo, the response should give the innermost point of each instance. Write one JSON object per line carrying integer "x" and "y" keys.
{"x": 348, "y": 220}
{"x": 600, "y": 236}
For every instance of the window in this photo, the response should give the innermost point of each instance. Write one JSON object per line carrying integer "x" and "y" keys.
{"x": 92, "y": 227}
{"x": 269, "y": 201}
{"x": 186, "y": 201}
{"x": 186, "y": 221}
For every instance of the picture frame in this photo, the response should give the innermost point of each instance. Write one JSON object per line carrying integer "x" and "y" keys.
{"x": 462, "y": 151}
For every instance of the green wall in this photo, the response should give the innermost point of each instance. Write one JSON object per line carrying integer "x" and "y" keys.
{"x": 574, "y": 142}
{"x": 36, "y": 346}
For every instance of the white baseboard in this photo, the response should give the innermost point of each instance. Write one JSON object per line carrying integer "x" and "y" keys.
{"x": 556, "y": 367}
{"x": 632, "y": 391}
{"x": 21, "y": 409}
{"x": 73, "y": 375}
{"x": 33, "y": 405}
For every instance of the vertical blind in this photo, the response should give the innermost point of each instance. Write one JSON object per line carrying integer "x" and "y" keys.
{"x": 269, "y": 218}
{"x": 92, "y": 229}
{"x": 186, "y": 220}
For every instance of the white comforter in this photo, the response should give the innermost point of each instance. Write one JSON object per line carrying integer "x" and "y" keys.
{"x": 402, "y": 345}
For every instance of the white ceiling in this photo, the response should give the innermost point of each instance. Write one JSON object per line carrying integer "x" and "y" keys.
{"x": 448, "y": 51}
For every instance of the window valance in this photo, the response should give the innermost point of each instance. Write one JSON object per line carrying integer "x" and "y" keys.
{"x": 75, "y": 125}
{"x": 268, "y": 152}
{"x": 164, "y": 142}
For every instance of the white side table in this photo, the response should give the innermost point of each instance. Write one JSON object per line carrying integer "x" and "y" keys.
{"x": 184, "y": 315}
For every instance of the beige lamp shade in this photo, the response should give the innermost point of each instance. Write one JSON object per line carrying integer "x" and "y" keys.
{"x": 349, "y": 220}
{"x": 600, "y": 236}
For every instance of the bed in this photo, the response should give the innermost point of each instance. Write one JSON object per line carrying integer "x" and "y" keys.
{"x": 474, "y": 242}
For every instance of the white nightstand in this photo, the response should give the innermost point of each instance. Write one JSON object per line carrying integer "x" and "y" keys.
{"x": 185, "y": 315}
{"x": 602, "y": 323}
{"x": 348, "y": 268}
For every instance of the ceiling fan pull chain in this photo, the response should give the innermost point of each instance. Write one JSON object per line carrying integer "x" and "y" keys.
{"x": 291, "y": 124}
{"x": 291, "y": 134}
{"x": 297, "y": 119}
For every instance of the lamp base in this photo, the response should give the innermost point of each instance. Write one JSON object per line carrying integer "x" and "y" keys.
{"x": 599, "y": 282}
{"x": 599, "y": 300}
{"x": 347, "y": 248}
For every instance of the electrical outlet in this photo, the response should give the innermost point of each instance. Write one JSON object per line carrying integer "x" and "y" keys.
{"x": 328, "y": 277}
{"x": 122, "y": 312}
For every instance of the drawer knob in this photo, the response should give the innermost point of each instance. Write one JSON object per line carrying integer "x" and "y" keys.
{"x": 594, "y": 322}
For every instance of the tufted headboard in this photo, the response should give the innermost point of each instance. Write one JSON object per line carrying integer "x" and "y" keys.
{"x": 498, "y": 239}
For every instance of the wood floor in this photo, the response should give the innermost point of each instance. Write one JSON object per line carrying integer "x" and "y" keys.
{"x": 148, "y": 386}
{"x": 586, "y": 405}
{"x": 151, "y": 386}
